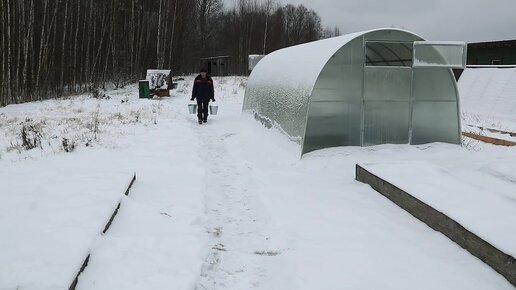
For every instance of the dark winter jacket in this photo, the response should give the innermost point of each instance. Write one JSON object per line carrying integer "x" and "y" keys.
{"x": 203, "y": 89}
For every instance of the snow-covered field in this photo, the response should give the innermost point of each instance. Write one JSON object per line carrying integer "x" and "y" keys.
{"x": 227, "y": 204}
{"x": 488, "y": 101}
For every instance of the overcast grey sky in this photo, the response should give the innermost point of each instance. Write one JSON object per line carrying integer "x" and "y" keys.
{"x": 461, "y": 20}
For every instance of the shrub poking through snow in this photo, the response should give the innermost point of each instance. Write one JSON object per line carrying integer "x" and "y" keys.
{"x": 156, "y": 111}
{"x": 97, "y": 93}
{"x": 31, "y": 135}
{"x": 137, "y": 114}
{"x": 67, "y": 144}
{"x": 95, "y": 123}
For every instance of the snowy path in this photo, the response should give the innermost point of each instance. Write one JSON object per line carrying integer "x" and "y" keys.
{"x": 238, "y": 223}
{"x": 157, "y": 240}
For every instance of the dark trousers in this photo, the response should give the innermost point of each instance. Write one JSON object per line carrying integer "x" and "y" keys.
{"x": 202, "y": 110}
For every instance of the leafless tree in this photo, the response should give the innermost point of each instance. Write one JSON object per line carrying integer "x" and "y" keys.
{"x": 9, "y": 50}
{"x": 50, "y": 48}
{"x": 3, "y": 41}
{"x": 207, "y": 10}
{"x": 268, "y": 6}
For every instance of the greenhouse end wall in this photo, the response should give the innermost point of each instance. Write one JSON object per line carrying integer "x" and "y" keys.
{"x": 357, "y": 102}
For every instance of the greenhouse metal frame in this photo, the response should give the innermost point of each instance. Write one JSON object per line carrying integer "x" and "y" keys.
{"x": 366, "y": 88}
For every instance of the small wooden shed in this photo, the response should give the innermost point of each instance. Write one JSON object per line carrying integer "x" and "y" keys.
{"x": 216, "y": 65}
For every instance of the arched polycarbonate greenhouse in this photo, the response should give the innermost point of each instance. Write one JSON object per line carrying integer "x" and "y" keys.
{"x": 366, "y": 88}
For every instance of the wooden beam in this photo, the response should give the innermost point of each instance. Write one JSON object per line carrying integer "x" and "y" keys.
{"x": 491, "y": 140}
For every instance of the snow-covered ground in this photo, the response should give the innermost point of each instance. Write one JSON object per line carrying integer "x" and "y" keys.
{"x": 488, "y": 101}
{"x": 223, "y": 205}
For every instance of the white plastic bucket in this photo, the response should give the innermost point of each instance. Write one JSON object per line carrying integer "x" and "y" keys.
{"x": 192, "y": 108}
{"x": 214, "y": 108}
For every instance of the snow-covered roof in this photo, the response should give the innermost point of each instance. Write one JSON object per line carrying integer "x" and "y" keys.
{"x": 302, "y": 62}
{"x": 158, "y": 71}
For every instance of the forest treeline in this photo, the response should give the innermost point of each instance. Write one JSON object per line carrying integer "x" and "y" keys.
{"x": 59, "y": 47}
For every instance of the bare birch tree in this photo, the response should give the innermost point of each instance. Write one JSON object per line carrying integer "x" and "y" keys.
{"x": 3, "y": 62}
{"x": 9, "y": 49}
{"x": 63, "y": 46}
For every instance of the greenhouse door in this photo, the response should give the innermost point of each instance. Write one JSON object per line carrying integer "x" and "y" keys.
{"x": 386, "y": 107}
{"x": 386, "y": 92}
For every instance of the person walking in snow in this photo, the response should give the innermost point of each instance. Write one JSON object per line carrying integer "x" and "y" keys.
{"x": 203, "y": 91}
